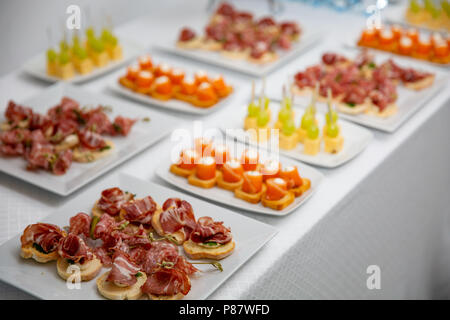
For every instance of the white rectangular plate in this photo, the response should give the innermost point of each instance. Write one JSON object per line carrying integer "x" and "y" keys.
{"x": 37, "y": 65}
{"x": 41, "y": 280}
{"x": 408, "y": 102}
{"x": 226, "y": 197}
{"x": 307, "y": 39}
{"x": 142, "y": 135}
{"x": 172, "y": 104}
{"x": 356, "y": 138}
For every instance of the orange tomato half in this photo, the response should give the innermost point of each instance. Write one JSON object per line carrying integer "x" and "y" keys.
{"x": 291, "y": 175}
{"x": 163, "y": 85}
{"x": 188, "y": 159}
{"x": 276, "y": 189}
{"x": 206, "y": 168}
{"x": 250, "y": 160}
{"x": 144, "y": 79}
{"x": 232, "y": 171}
{"x": 253, "y": 182}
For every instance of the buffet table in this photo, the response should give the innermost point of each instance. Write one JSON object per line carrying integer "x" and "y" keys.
{"x": 388, "y": 207}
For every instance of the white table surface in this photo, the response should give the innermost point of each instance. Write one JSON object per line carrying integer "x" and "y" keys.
{"x": 22, "y": 204}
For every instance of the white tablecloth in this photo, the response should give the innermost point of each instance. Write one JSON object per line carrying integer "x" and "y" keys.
{"x": 388, "y": 207}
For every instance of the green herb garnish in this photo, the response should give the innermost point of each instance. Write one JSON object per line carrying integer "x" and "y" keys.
{"x": 105, "y": 148}
{"x": 215, "y": 264}
{"x": 117, "y": 128}
{"x": 146, "y": 119}
{"x": 139, "y": 274}
{"x": 210, "y": 243}
{"x": 124, "y": 225}
{"x": 372, "y": 65}
{"x": 351, "y": 104}
{"x": 94, "y": 222}
{"x": 80, "y": 118}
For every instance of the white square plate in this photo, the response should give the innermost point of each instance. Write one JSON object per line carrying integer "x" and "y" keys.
{"x": 408, "y": 102}
{"x": 172, "y": 104}
{"x": 142, "y": 135}
{"x": 356, "y": 138}
{"x": 226, "y": 197}
{"x": 41, "y": 280}
{"x": 307, "y": 39}
{"x": 37, "y": 66}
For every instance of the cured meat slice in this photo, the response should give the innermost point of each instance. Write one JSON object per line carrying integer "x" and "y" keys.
{"x": 122, "y": 126}
{"x": 111, "y": 200}
{"x": 177, "y": 215}
{"x": 140, "y": 210}
{"x": 91, "y": 140}
{"x": 159, "y": 252}
{"x": 167, "y": 282}
{"x": 80, "y": 224}
{"x": 123, "y": 271}
{"x": 75, "y": 249}
{"x": 104, "y": 226}
{"x": 16, "y": 113}
{"x": 63, "y": 162}
{"x": 46, "y": 235}
{"x": 208, "y": 230}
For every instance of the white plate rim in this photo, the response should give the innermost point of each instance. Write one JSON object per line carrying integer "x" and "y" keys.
{"x": 306, "y": 42}
{"x": 355, "y": 150}
{"x": 268, "y": 229}
{"x": 130, "y": 48}
{"x": 146, "y": 143}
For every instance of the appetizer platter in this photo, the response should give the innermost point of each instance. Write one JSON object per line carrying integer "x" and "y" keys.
{"x": 237, "y": 40}
{"x": 117, "y": 241}
{"x": 82, "y": 59}
{"x": 427, "y": 14}
{"x": 431, "y": 47}
{"x": 241, "y": 177}
{"x": 64, "y": 137}
{"x": 374, "y": 90}
{"x": 169, "y": 87}
{"x": 318, "y": 139}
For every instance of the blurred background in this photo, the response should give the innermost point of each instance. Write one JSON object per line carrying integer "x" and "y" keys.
{"x": 25, "y": 22}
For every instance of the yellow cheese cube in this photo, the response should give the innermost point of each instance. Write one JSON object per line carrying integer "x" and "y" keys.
{"x": 52, "y": 68}
{"x": 83, "y": 66}
{"x": 115, "y": 53}
{"x": 288, "y": 142}
{"x": 301, "y": 135}
{"x": 65, "y": 71}
{"x": 100, "y": 59}
{"x": 250, "y": 123}
{"x": 333, "y": 145}
{"x": 311, "y": 146}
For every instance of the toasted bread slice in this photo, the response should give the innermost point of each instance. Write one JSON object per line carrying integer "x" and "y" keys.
{"x": 303, "y": 188}
{"x": 421, "y": 84}
{"x": 69, "y": 142}
{"x": 162, "y": 97}
{"x": 228, "y": 185}
{"x": 88, "y": 270}
{"x": 110, "y": 291}
{"x": 390, "y": 110}
{"x": 177, "y": 296}
{"x": 357, "y": 109}
{"x": 180, "y": 171}
{"x": 194, "y": 43}
{"x": 85, "y": 155}
{"x": 156, "y": 224}
{"x": 192, "y": 179}
{"x": 28, "y": 251}
{"x": 278, "y": 204}
{"x": 204, "y": 103}
{"x": 250, "y": 197}
{"x": 196, "y": 251}
{"x": 127, "y": 83}
{"x": 97, "y": 212}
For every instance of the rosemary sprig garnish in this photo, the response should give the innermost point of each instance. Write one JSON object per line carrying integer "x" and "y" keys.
{"x": 167, "y": 237}
{"x": 215, "y": 264}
